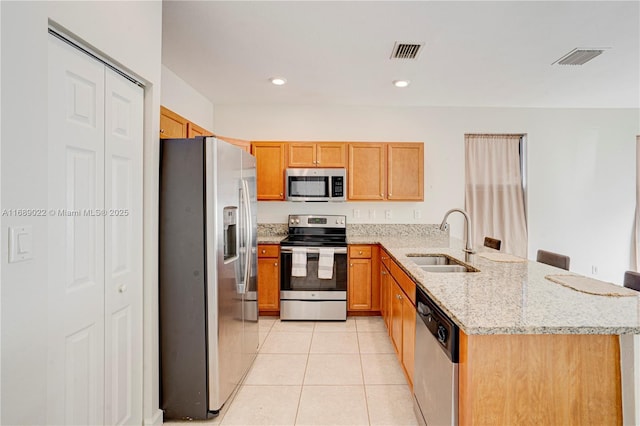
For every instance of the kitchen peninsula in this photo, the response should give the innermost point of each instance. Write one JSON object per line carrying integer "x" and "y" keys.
{"x": 531, "y": 350}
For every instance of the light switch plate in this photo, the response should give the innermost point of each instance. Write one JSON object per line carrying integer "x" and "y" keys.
{"x": 20, "y": 243}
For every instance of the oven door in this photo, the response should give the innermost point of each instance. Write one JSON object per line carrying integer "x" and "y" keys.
{"x": 332, "y": 288}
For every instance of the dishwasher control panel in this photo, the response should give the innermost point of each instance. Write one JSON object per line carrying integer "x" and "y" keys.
{"x": 443, "y": 329}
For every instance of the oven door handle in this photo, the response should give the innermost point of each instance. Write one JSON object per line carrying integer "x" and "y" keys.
{"x": 336, "y": 250}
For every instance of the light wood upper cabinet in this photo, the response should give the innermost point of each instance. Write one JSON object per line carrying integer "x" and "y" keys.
{"x": 194, "y": 130}
{"x": 172, "y": 125}
{"x": 270, "y": 163}
{"x": 317, "y": 154}
{"x": 366, "y": 174}
{"x": 405, "y": 171}
{"x": 386, "y": 171}
{"x": 241, "y": 143}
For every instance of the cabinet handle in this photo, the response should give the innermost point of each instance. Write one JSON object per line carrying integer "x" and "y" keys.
{"x": 381, "y": 194}
{"x": 275, "y": 264}
{"x": 390, "y": 194}
{"x": 263, "y": 251}
{"x": 161, "y": 130}
{"x": 122, "y": 288}
{"x": 360, "y": 252}
{"x": 281, "y": 194}
{"x": 384, "y": 273}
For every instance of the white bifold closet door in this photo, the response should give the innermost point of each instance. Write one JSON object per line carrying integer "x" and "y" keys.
{"x": 94, "y": 371}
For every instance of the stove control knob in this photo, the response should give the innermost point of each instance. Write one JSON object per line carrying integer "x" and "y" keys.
{"x": 292, "y": 221}
{"x": 297, "y": 221}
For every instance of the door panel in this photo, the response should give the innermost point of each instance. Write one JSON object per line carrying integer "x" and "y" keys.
{"x": 81, "y": 377}
{"x": 75, "y": 370}
{"x": 123, "y": 250}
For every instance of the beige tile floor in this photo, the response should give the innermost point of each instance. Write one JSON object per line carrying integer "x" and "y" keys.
{"x": 321, "y": 373}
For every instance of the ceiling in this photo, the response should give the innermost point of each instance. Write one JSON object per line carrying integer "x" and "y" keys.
{"x": 495, "y": 54}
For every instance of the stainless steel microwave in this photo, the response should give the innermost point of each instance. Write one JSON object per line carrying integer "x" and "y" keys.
{"x": 316, "y": 185}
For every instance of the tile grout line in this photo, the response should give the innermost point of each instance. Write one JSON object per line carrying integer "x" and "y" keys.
{"x": 295, "y": 420}
{"x": 364, "y": 385}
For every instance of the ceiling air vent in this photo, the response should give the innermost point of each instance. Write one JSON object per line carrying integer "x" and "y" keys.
{"x": 578, "y": 56}
{"x": 406, "y": 50}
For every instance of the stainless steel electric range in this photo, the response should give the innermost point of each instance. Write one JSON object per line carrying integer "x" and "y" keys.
{"x": 313, "y": 268}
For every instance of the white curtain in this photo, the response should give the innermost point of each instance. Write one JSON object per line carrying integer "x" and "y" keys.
{"x": 494, "y": 196}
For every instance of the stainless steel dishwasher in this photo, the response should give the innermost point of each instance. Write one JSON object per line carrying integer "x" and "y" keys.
{"x": 435, "y": 381}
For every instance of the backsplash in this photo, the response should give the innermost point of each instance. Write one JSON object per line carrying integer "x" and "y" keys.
{"x": 364, "y": 229}
{"x": 272, "y": 229}
{"x": 394, "y": 230}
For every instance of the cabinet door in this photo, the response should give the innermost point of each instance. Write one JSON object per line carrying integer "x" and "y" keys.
{"x": 405, "y": 171}
{"x": 172, "y": 125}
{"x": 301, "y": 154}
{"x": 268, "y": 284}
{"x": 194, "y": 130}
{"x": 270, "y": 163}
{"x": 367, "y": 172}
{"x": 360, "y": 284}
{"x": 385, "y": 296}
{"x": 408, "y": 336}
{"x": 331, "y": 154}
{"x": 396, "y": 317}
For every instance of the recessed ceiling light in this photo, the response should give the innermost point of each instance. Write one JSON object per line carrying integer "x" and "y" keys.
{"x": 401, "y": 83}
{"x": 278, "y": 81}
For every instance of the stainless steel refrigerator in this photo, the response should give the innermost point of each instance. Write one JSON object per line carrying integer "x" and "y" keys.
{"x": 207, "y": 273}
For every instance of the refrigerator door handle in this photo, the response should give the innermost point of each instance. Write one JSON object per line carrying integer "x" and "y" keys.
{"x": 242, "y": 286}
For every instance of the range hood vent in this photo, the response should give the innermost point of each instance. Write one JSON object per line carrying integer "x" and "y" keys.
{"x": 406, "y": 50}
{"x": 578, "y": 56}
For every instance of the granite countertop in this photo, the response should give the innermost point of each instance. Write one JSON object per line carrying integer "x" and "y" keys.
{"x": 511, "y": 298}
{"x": 504, "y": 297}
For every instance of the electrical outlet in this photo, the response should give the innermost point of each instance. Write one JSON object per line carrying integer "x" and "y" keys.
{"x": 372, "y": 214}
{"x": 417, "y": 214}
{"x": 356, "y": 213}
{"x": 594, "y": 270}
{"x": 387, "y": 214}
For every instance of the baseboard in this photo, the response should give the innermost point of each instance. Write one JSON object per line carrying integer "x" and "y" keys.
{"x": 156, "y": 420}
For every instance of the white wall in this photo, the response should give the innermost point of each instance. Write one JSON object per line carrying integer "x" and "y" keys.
{"x": 181, "y": 98}
{"x": 130, "y": 34}
{"x": 581, "y": 169}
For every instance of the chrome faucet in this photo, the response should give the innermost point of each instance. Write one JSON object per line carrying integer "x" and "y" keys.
{"x": 444, "y": 226}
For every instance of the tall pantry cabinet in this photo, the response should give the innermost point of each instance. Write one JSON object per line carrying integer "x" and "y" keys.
{"x": 94, "y": 329}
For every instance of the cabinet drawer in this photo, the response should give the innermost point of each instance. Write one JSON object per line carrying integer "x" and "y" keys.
{"x": 407, "y": 284}
{"x": 385, "y": 258}
{"x": 268, "y": 250}
{"x": 360, "y": 252}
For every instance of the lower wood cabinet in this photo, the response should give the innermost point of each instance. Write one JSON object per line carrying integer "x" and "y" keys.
{"x": 397, "y": 294}
{"x": 269, "y": 279}
{"x": 363, "y": 288}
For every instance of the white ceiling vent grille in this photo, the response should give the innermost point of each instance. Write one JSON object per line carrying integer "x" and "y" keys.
{"x": 406, "y": 50}
{"x": 578, "y": 56}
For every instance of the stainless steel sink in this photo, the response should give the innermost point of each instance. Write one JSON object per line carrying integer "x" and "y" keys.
{"x": 436, "y": 262}
{"x": 432, "y": 260}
